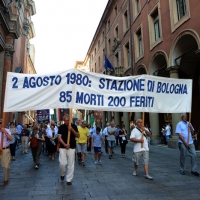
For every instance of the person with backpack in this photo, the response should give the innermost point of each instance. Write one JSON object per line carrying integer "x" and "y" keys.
{"x": 36, "y": 139}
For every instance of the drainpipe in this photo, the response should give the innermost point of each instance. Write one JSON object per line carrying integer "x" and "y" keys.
{"x": 130, "y": 25}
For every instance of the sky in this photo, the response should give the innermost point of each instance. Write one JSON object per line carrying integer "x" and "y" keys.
{"x": 64, "y": 31}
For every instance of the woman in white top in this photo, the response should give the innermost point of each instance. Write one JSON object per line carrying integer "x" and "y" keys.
{"x": 52, "y": 141}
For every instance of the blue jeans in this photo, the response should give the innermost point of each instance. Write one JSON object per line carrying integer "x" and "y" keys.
{"x": 111, "y": 144}
{"x": 166, "y": 138}
{"x": 183, "y": 153}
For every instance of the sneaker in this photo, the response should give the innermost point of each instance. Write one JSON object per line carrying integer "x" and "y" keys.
{"x": 36, "y": 167}
{"x": 148, "y": 177}
{"x": 195, "y": 173}
{"x": 100, "y": 162}
{"x": 95, "y": 162}
{"x": 110, "y": 156}
{"x": 79, "y": 160}
{"x": 183, "y": 172}
{"x": 62, "y": 178}
{"x": 82, "y": 164}
{"x": 134, "y": 173}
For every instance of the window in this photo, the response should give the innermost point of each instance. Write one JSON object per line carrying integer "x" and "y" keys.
{"x": 109, "y": 47}
{"x": 125, "y": 21}
{"x": 99, "y": 60}
{"x": 179, "y": 12}
{"x": 98, "y": 44}
{"x": 92, "y": 57}
{"x": 136, "y": 8}
{"x": 116, "y": 32}
{"x": 95, "y": 51}
{"x": 138, "y": 39}
{"x": 108, "y": 23}
{"x": 156, "y": 27}
{"x": 155, "y": 31}
{"x": 117, "y": 64}
{"x": 126, "y": 55}
{"x": 115, "y": 11}
{"x": 140, "y": 43}
{"x": 103, "y": 36}
{"x": 181, "y": 8}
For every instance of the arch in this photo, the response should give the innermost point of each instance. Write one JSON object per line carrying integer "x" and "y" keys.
{"x": 177, "y": 49}
{"x": 158, "y": 63}
{"x": 141, "y": 69}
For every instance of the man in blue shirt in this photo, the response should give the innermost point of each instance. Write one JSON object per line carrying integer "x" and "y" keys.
{"x": 185, "y": 143}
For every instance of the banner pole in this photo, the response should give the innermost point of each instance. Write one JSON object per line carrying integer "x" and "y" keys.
{"x": 142, "y": 144}
{"x": 70, "y": 121}
{"x": 189, "y": 128}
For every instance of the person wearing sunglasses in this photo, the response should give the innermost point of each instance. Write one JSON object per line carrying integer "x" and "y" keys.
{"x": 5, "y": 137}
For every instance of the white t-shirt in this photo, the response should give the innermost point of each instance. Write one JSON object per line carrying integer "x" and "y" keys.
{"x": 168, "y": 130}
{"x": 135, "y": 133}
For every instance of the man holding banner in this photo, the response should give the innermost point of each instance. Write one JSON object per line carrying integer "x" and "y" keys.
{"x": 141, "y": 148}
{"x": 184, "y": 129}
{"x": 67, "y": 148}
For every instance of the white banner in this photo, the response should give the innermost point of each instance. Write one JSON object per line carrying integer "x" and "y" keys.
{"x": 91, "y": 91}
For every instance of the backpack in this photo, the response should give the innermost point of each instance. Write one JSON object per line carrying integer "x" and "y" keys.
{"x": 33, "y": 143}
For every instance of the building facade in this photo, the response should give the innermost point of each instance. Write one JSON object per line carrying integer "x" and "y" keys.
{"x": 160, "y": 38}
{"x": 16, "y": 52}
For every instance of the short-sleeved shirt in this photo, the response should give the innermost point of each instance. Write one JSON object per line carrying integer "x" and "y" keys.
{"x": 19, "y": 129}
{"x": 97, "y": 139}
{"x": 111, "y": 129}
{"x": 63, "y": 131}
{"x": 83, "y": 135}
{"x": 168, "y": 129}
{"x": 25, "y": 132}
{"x": 6, "y": 142}
{"x": 182, "y": 128}
{"x": 135, "y": 133}
{"x": 105, "y": 131}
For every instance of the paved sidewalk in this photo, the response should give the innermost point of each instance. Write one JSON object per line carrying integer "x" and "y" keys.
{"x": 111, "y": 181}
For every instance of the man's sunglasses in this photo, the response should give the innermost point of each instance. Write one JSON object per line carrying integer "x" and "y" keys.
{"x": 0, "y": 122}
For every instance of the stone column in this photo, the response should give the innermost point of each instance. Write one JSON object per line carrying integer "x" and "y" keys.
{"x": 109, "y": 117}
{"x": 1, "y": 80}
{"x": 154, "y": 124}
{"x": 173, "y": 142}
{"x": 7, "y": 68}
{"x": 103, "y": 119}
{"x": 138, "y": 115}
{"x": 126, "y": 122}
{"x": 116, "y": 118}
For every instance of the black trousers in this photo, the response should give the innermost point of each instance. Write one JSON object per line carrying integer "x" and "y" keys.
{"x": 106, "y": 145}
{"x": 13, "y": 148}
{"x": 123, "y": 148}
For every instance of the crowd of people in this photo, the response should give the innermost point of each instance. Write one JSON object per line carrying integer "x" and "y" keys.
{"x": 72, "y": 141}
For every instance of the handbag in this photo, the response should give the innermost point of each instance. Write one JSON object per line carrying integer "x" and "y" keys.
{"x": 33, "y": 143}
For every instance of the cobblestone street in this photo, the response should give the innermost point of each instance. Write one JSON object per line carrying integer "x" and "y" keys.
{"x": 111, "y": 181}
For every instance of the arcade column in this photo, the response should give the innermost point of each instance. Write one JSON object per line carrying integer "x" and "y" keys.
{"x": 154, "y": 124}
{"x": 103, "y": 119}
{"x": 173, "y": 142}
{"x": 109, "y": 116}
{"x": 7, "y": 68}
{"x": 126, "y": 122}
{"x": 116, "y": 118}
{"x": 138, "y": 115}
